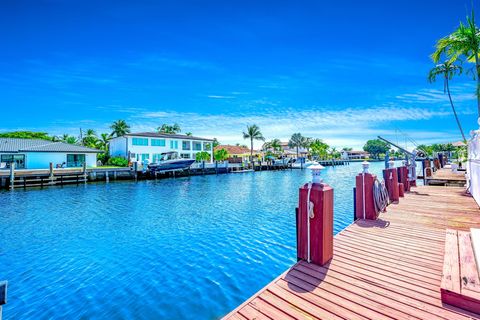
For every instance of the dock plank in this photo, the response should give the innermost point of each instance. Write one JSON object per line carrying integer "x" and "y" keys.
{"x": 385, "y": 269}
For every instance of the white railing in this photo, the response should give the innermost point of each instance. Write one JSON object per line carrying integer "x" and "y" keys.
{"x": 473, "y": 166}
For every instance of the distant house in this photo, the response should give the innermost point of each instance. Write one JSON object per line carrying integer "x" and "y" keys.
{"x": 289, "y": 151}
{"x": 38, "y": 154}
{"x": 236, "y": 153}
{"x": 150, "y": 145}
{"x": 355, "y": 155}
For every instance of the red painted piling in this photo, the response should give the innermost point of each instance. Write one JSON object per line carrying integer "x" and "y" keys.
{"x": 321, "y": 225}
{"x": 401, "y": 190}
{"x": 370, "y": 212}
{"x": 402, "y": 173}
{"x": 391, "y": 182}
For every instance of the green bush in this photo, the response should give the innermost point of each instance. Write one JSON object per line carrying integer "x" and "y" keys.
{"x": 118, "y": 161}
{"x": 103, "y": 157}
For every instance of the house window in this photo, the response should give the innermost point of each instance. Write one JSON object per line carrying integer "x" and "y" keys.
{"x": 156, "y": 157}
{"x": 185, "y": 155}
{"x": 207, "y": 146}
{"x": 143, "y": 156}
{"x": 75, "y": 160}
{"x": 173, "y": 144}
{"x": 158, "y": 142}
{"x": 140, "y": 141}
{"x": 197, "y": 146}
{"x": 19, "y": 160}
{"x": 185, "y": 145}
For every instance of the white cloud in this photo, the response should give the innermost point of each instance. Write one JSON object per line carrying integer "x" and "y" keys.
{"x": 350, "y": 126}
{"x": 220, "y": 97}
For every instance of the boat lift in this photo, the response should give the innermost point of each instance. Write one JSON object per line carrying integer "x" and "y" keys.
{"x": 411, "y": 157}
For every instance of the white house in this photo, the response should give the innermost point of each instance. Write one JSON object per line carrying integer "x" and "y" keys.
{"x": 38, "y": 154}
{"x": 150, "y": 145}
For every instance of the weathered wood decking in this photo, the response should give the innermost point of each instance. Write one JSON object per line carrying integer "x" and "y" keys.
{"x": 446, "y": 177}
{"x": 384, "y": 269}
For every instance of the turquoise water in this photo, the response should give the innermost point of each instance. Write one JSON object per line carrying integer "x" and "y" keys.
{"x": 182, "y": 248}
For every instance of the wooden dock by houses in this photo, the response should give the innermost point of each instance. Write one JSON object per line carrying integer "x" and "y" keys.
{"x": 389, "y": 268}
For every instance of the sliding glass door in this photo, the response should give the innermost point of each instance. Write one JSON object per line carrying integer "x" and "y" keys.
{"x": 75, "y": 160}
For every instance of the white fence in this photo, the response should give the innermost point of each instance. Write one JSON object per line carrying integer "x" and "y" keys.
{"x": 473, "y": 166}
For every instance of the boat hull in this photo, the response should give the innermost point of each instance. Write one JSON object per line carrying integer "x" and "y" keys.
{"x": 171, "y": 165}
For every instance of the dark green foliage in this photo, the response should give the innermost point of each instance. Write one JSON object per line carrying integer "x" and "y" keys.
{"x": 26, "y": 135}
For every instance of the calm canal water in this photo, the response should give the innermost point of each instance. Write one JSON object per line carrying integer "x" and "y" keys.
{"x": 180, "y": 248}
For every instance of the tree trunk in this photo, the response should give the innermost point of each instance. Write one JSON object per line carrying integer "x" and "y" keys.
{"x": 453, "y": 109}
{"x": 251, "y": 149}
{"x": 477, "y": 66}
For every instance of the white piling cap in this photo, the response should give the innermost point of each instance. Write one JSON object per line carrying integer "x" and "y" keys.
{"x": 391, "y": 164}
{"x": 365, "y": 166}
{"x": 316, "y": 172}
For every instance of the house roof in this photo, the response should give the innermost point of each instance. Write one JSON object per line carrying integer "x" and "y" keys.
{"x": 15, "y": 145}
{"x": 233, "y": 150}
{"x": 165, "y": 135}
{"x": 458, "y": 144}
{"x": 357, "y": 152}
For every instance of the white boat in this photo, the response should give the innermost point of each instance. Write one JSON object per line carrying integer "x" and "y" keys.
{"x": 303, "y": 163}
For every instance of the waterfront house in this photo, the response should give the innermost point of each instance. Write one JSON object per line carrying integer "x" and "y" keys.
{"x": 237, "y": 154}
{"x": 150, "y": 145}
{"x": 355, "y": 155}
{"x": 38, "y": 154}
{"x": 292, "y": 152}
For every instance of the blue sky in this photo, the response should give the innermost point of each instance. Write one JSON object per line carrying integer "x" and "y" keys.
{"x": 343, "y": 71}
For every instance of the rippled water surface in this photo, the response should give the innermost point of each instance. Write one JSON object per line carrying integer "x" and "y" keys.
{"x": 180, "y": 248}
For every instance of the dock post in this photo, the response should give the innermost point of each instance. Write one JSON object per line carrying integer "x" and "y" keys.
{"x": 3, "y": 295}
{"x": 12, "y": 175}
{"x": 364, "y": 202}
{"x": 50, "y": 170}
{"x": 315, "y": 220}
{"x": 84, "y": 170}
{"x": 390, "y": 176}
{"x": 402, "y": 173}
{"x": 135, "y": 170}
{"x": 114, "y": 174}
{"x": 107, "y": 178}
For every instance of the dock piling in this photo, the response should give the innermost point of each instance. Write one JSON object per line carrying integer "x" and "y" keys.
{"x": 12, "y": 175}
{"x": 315, "y": 220}
{"x": 3, "y": 295}
{"x": 364, "y": 202}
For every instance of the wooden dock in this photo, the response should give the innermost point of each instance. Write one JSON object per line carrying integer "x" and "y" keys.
{"x": 390, "y": 268}
{"x": 446, "y": 177}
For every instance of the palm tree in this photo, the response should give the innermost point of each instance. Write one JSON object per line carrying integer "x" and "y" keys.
{"x": 333, "y": 152}
{"x": 188, "y": 134}
{"x": 67, "y": 138}
{"x": 465, "y": 41}
{"x": 253, "y": 133}
{"x": 296, "y": 141}
{"x": 71, "y": 140}
{"x": 119, "y": 128}
{"x": 169, "y": 129}
{"x": 447, "y": 70}
{"x": 103, "y": 141}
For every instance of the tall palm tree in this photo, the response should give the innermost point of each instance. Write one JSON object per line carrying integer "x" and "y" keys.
{"x": 465, "y": 41}
{"x": 296, "y": 141}
{"x": 169, "y": 129}
{"x": 119, "y": 128}
{"x": 447, "y": 70}
{"x": 276, "y": 145}
{"x": 253, "y": 133}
